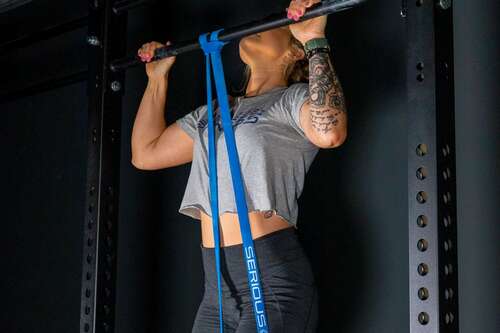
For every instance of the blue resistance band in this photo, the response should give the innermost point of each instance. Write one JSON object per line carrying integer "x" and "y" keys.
{"x": 212, "y": 50}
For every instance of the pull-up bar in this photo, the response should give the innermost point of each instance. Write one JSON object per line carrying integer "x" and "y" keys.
{"x": 267, "y": 23}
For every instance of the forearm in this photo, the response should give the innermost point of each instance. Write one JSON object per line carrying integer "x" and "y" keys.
{"x": 326, "y": 99}
{"x": 150, "y": 122}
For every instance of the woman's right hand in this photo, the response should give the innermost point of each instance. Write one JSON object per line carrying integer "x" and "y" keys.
{"x": 158, "y": 68}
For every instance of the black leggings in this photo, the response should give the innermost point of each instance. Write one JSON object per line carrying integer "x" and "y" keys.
{"x": 287, "y": 281}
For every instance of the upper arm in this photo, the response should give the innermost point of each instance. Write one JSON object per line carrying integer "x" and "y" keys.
{"x": 295, "y": 102}
{"x": 174, "y": 146}
{"x": 306, "y": 125}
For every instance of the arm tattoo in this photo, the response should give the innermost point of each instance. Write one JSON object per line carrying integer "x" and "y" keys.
{"x": 325, "y": 93}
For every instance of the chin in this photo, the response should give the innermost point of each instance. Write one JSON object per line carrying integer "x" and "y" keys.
{"x": 250, "y": 42}
{"x": 248, "y": 49}
{"x": 251, "y": 45}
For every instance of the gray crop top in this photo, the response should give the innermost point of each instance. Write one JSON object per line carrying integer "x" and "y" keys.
{"x": 273, "y": 150}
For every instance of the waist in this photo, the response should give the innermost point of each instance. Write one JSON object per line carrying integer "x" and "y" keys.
{"x": 261, "y": 224}
{"x": 268, "y": 248}
{"x": 272, "y": 250}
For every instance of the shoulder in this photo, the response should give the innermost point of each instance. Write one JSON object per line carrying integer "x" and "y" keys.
{"x": 297, "y": 88}
{"x": 295, "y": 93}
{"x": 201, "y": 110}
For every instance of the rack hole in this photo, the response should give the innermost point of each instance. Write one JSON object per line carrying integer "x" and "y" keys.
{"x": 423, "y": 293}
{"x": 422, "y": 269}
{"x": 421, "y": 173}
{"x": 448, "y": 293}
{"x": 422, "y": 245}
{"x": 448, "y": 318}
{"x": 422, "y": 197}
{"x": 448, "y": 269}
{"x": 421, "y": 149}
{"x": 422, "y": 221}
{"x": 423, "y": 318}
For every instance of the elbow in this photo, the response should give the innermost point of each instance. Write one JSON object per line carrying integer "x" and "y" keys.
{"x": 136, "y": 158}
{"x": 137, "y": 163}
{"x": 141, "y": 164}
{"x": 145, "y": 162}
{"x": 340, "y": 139}
{"x": 335, "y": 140}
{"x": 141, "y": 157}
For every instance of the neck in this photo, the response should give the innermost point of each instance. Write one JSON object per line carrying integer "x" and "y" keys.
{"x": 263, "y": 79}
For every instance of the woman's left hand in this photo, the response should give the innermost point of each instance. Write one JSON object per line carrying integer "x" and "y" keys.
{"x": 309, "y": 29}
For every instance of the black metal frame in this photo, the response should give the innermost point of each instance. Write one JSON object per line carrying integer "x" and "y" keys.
{"x": 433, "y": 279}
{"x": 106, "y": 40}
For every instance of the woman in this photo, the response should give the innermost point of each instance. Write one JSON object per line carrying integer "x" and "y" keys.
{"x": 279, "y": 125}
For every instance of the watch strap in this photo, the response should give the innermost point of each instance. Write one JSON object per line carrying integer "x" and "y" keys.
{"x": 316, "y": 43}
{"x": 317, "y": 50}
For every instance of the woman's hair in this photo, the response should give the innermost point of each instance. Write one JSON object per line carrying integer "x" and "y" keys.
{"x": 296, "y": 72}
{"x": 299, "y": 71}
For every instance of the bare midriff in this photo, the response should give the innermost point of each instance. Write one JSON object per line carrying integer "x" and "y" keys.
{"x": 261, "y": 223}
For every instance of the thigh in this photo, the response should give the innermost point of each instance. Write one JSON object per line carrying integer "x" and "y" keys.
{"x": 284, "y": 312}
{"x": 275, "y": 323}
{"x": 290, "y": 296}
{"x": 297, "y": 303}
{"x": 207, "y": 318}
{"x": 292, "y": 284}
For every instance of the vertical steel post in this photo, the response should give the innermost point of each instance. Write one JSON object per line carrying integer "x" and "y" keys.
{"x": 106, "y": 39}
{"x": 432, "y": 229}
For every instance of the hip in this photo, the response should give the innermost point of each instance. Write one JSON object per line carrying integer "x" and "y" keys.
{"x": 281, "y": 260}
{"x": 288, "y": 287}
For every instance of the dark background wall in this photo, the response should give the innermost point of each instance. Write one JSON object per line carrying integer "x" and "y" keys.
{"x": 42, "y": 172}
{"x": 477, "y": 92}
{"x": 353, "y": 211}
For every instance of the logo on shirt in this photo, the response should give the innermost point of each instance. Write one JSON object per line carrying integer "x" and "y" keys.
{"x": 250, "y": 116}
